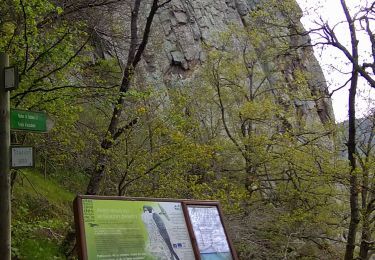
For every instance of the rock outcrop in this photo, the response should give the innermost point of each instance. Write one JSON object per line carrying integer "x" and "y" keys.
{"x": 182, "y": 31}
{"x": 186, "y": 27}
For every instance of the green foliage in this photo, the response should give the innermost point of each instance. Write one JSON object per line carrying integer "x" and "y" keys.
{"x": 29, "y": 181}
{"x": 271, "y": 155}
{"x": 52, "y": 55}
{"x": 37, "y": 240}
{"x": 40, "y": 216}
{"x": 233, "y": 134}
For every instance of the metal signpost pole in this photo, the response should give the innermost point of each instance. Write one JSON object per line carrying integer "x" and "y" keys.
{"x": 5, "y": 213}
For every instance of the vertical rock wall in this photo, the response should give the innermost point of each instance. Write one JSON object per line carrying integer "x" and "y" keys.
{"x": 185, "y": 27}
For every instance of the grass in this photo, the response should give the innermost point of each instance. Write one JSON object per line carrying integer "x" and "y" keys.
{"x": 40, "y": 249}
{"x": 31, "y": 182}
{"x": 41, "y": 216}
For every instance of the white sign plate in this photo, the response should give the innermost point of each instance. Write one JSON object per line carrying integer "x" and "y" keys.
{"x": 10, "y": 78}
{"x": 22, "y": 157}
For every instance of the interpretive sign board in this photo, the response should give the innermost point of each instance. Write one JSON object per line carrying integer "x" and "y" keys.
{"x": 150, "y": 229}
{"x": 22, "y": 156}
{"x": 28, "y": 120}
{"x": 209, "y": 234}
{"x": 119, "y": 228}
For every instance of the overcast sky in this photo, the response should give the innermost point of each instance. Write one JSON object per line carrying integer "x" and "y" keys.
{"x": 331, "y": 60}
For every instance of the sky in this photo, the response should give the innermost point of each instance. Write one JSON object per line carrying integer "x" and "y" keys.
{"x": 333, "y": 61}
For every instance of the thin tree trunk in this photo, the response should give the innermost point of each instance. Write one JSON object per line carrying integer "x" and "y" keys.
{"x": 365, "y": 237}
{"x": 98, "y": 174}
{"x": 114, "y": 131}
{"x": 354, "y": 189}
{"x": 367, "y": 195}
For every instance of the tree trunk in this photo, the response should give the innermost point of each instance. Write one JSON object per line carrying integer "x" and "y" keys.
{"x": 114, "y": 131}
{"x": 365, "y": 237}
{"x": 94, "y": 185}
{"x": 368, "y": 198}
{"x": 354, "y": 189}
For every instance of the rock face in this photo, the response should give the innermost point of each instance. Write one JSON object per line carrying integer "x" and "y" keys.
{"x": 188, "y": 25}
{"x": 183, "y": 29}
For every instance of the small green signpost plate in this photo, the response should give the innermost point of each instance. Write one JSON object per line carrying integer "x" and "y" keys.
{"x": 28, "y": 120}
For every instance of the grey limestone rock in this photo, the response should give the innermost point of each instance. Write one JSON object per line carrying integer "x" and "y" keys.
{"x": 184, "y": 29}
{"x": 242, "y": 7}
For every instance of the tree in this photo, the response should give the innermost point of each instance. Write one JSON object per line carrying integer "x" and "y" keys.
{"x": 52, "y": 56}
{"x": 52, "y": 49}
{"x": 358, "y": 23}
{"x": 365, "y": 151}
{"x": 135, "y": 52}
{"x": 270, "y": 147}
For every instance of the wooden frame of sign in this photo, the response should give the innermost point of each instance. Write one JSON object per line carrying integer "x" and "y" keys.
{"x": 92, "y": 215}
{"x": 79, "y": 228}
{"x": 212, "y": 221}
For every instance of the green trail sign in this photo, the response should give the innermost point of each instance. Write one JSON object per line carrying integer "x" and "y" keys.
{"x": 28, "y": 120}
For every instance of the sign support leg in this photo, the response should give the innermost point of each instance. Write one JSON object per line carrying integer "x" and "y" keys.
{"x": 5, "y": 206}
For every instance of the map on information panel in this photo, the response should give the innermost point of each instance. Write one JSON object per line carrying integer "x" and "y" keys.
{"x": 135, "y": 230}
{"x": 209, "y": 233}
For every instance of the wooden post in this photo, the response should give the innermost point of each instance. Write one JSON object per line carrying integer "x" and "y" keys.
{"x": 5, "y": 206}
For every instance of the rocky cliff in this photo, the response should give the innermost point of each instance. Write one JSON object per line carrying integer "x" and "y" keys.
{"x": 184, "y": 28}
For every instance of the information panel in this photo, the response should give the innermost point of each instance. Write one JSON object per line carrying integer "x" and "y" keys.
{"x": 132, "y": 230}
{"x": 209, "y": 232}
{"x": 22, "y": 156}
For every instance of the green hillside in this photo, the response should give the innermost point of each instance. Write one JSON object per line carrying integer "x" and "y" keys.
{"x": 41, "y": 216}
